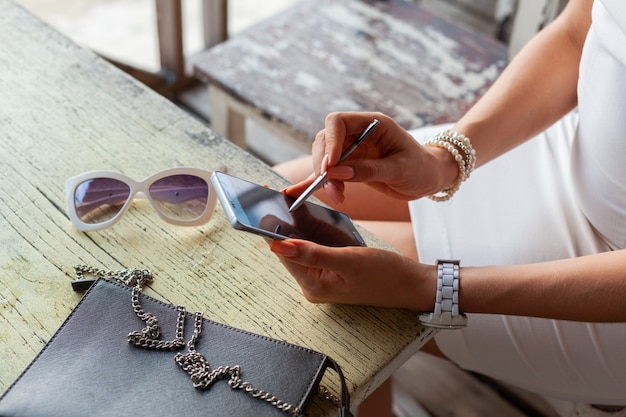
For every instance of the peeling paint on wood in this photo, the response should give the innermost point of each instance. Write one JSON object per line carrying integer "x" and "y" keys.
{"x": 331, "y": 55}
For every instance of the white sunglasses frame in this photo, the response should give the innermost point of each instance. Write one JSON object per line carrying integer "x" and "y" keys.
{"x": 137, "y": 187}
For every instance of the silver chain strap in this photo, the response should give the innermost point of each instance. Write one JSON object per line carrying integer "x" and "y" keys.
{"x": 150, "y": 336}
{"x": 194, "y": 363}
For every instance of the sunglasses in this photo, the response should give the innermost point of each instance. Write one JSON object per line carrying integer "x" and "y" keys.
{"x": 181, "y": 196}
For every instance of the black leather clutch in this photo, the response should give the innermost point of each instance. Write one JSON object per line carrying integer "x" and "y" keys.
{"x": 89, "y": 367}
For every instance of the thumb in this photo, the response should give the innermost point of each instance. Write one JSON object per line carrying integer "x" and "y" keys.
{"x": 388, "y": 176}
{"x": 297, "y": 189}
{"x": 371, "y": 170}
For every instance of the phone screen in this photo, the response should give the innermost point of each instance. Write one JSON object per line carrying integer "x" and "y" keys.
{"x": 261, "y": 210}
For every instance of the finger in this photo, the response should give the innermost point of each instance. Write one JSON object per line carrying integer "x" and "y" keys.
{"x": 318, "y": 285}
{"x": 386, "y": 177}
{"x": 313, "y": 287}
{"x": 335, "y": 189}
{"x": 346, "y": 275}
{"x": 333, "y": 137}
{"x": 341, "y": 172}
{"x": 324, "y": 165}
{"x": 297, "y": 189}
{"x": 342, "y": 128}
{"x": 386, "y": 170}
{"x": 318, "y": 151}
{"x": 313, "y": 255}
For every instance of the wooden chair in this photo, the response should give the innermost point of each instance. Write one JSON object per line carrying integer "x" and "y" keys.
{"x": 289, "y": 71}
{"x": 172, "y": 78}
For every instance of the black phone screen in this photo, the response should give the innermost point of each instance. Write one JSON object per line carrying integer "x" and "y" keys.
{"x": 259, "y": 209}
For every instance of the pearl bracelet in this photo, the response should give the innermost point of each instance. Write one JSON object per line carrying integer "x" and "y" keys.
{"x": 465, "y": 156}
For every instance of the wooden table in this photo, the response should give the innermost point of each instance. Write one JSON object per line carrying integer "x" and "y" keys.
{"x": 288, "y": 72}
{"x": 64, "y": 111}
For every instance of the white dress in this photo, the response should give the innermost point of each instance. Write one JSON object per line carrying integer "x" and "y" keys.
{"x": 560, "y": 195}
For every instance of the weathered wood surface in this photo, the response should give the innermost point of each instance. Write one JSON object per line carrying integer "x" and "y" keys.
{"x": 64, "y": 111}
{"x": 329, "y": 55}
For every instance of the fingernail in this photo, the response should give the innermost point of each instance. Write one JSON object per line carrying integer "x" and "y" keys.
{"x": 324, "y": 166}
{"x": 333, "y": 192}
{"x": 342, "y": 173}
{"x": 284, "y": 248}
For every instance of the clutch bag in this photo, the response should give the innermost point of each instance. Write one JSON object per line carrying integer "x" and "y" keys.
{"x": 115, "y": 355}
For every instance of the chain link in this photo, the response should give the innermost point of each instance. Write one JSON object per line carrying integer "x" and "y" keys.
{"x": 192, "y": 362}
{"x": 329, "y": 396}
{"x": 196, "y": 365}
{"x": 130, "y": 277}
{"x": 150, "y": 336}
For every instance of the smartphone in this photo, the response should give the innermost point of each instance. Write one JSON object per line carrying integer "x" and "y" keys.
{"x": 261, "y": 210}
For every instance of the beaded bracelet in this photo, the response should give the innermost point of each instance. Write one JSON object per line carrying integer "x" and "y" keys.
{"x": 461, "y": 149}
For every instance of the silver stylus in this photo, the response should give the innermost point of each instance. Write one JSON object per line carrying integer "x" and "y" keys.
{"x": 320, "y": 180}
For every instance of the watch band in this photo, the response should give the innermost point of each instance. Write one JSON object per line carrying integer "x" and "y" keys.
{"x": 446, "y": 314}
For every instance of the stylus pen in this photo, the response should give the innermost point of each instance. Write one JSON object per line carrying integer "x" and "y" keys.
{"x": 320, "y": 180}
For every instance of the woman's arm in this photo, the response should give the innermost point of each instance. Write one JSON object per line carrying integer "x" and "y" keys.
{"x": 587, "y": 288}
{"x": 590, "y": 288}
{"x": 536, "y": 89}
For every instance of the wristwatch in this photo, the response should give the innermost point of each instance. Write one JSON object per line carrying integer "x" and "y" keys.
{"x": 446, "y": 314}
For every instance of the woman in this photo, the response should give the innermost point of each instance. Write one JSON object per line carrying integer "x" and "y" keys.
{"x": 540, "y": 228}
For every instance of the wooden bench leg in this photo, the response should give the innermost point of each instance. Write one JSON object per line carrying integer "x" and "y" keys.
{"x": 225, "y": 119}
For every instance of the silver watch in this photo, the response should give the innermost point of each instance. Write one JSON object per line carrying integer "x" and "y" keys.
{"x": 446, "y": 314}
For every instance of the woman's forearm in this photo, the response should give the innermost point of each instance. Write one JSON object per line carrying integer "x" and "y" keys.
{"x": 588, "y": 288}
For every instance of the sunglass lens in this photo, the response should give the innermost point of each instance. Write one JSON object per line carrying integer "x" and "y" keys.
{"x": 100, "y": 199}
{"x": 180, "y": 197}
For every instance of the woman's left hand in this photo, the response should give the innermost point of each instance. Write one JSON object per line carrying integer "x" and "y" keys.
{"x": 357, "y": 275}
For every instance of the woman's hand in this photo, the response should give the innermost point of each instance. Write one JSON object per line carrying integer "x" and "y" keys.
{"x": 357, "y": 275}
{"x": 389, "y": 160}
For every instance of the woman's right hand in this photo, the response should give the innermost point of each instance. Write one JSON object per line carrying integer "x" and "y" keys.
{"x": 389, "y": 160}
